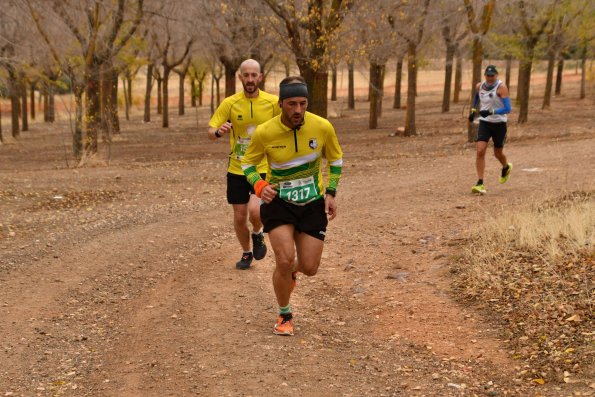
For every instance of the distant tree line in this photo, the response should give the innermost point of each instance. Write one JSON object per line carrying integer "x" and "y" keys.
{"x": 91, "y": 48}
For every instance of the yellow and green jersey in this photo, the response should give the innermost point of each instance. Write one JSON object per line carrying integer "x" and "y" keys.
{"x": 245, "y": 114}
{"x": 295, "y": 158}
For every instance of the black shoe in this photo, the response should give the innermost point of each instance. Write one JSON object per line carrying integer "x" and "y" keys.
{"x": 259, "y": 246}
{"x": 245, "y": 262}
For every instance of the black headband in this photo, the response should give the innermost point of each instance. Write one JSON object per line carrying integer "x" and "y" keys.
{"x": 293, "y": 90}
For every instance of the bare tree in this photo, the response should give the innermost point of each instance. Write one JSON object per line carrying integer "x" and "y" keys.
{"x": 197, "y": 71}
{"x": 479, "y": 26}
{"x": 12, "y": 37}
{"x": 372, "y": 36}
{"x": 584, "y": 36}
{"x": 532, "y": 20}
{"x": 101, "y": 29}
{"x": 409, "y": 20}
{"x": 216, "y": 74}
{"x": 564, "y": 17}
{"x": 235, "y": 32}
{"x": 130, "y": 60}
{"x": 453, "y": 33}
{"x": 169, "y": 61}
{"x": 172, "y": 38}
{"x": 307, "y": 28}
{"x": 182, "y": 71}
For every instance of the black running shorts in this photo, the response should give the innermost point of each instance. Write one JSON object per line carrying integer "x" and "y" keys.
{"x": 310, "y": 218}
{"x": 497, "y": 131}
{"x": 239, "y": 189}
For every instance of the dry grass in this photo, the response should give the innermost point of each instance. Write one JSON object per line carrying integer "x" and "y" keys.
{"x": 533, "y": 271}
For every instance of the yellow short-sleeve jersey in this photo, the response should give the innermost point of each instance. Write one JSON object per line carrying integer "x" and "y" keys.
{"x": 245, "y": 114}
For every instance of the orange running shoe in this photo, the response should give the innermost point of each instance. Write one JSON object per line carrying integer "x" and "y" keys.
{"x": 293, "y": 280}
{"x": 283, "y": 327}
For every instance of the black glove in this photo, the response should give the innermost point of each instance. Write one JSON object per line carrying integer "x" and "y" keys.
{"x": 486, "y": 113}
{"x": 471, "y": 117}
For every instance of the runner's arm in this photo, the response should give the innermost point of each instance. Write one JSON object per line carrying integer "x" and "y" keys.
{"x": 219, "y": 124}
{"x": 334, "y": 158}
{"x": 253, "y": 156}
{"x": 503, "y": 93}
{"x": 475, "y": 102}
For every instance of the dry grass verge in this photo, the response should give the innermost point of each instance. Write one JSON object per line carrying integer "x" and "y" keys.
{"x": 533, "y": 270}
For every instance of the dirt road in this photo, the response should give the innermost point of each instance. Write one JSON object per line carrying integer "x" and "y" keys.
{"x": 119, "y": 280}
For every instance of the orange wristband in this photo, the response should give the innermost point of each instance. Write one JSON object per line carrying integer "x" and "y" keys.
{"x": 258, "y": 186}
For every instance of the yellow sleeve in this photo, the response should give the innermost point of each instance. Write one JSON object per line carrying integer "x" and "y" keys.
{"x": 253, "y": 156}
{"x": 222, "y": 114}
{"x": 334, "y": 159}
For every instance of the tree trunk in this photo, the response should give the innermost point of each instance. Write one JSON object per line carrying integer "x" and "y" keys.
{"x": 381, "y": 87}
{"x": 212, "y": 94}
{"x": 159, "y": 95}
{"x": 201, "y": 89}
{"x": 450, "y": 54}
{"x": 165, "y": 96}
{"x": 399, "y": 77}
{"x": 104, "y": 98}
{"x": 549, "y": 80}
{"x": 525, "y": 65}
{"x": 192, "y": 92}
{"x": 230, "y": 78}
{"x": 559, "y": 72}
{"x": 32, "y": 101}
{"x": 93, "y": 107}
{"x": 218, "y": 90}
{"x": 113, "y": 102}
{"x": 128, "y": 91}
{"x": 24, "y": 114}
{"x": 1, "y": 138}
{"x": 584, "y": 72}
{"x": 109, "y": 101}
{"x": 375, "y": 94}
{"x": 181, "y": 109}
{"x": 317, "y": 81}
{"x": 126, "y": 104}
{"x": 40, "y": 98}
{"x": 458, "y": 77}
{"x": 410, "y": 128}
{"x": 334, "y": 83}
{"x": 52, "y": 102}
{"x": 14, "y": 103}
{"x": 77, "y": 136}
{"x": 46, "y": 103}
{"x": 476, "y": 78}
{"x": 350, "y": 87}
{"x": 148, "y": 89}
{"x": 508, "y": 68}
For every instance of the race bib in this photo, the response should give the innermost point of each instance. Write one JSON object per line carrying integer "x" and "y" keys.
{"x": 240, "y": 148}
{"x": 298, "y": 191}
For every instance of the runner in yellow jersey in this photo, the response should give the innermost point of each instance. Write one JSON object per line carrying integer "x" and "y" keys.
{"x": 297, "y": 204}
{"x": 238, "y": 116}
